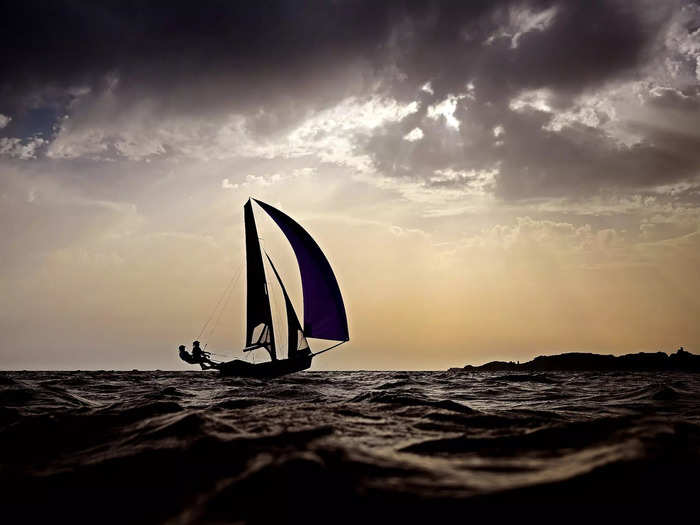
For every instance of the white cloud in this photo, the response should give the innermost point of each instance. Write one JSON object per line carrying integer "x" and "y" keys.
{"x": 427, "y": 87}
{"x": 522, "y": 20}
{"x": 268, "y": 179}
{"x": 75, "y": 143}
{"x": 446, "y": 109}
{"x": 591, "y": 111}
{"x": 470, "y": 93}
{"x": 303, "y": 172}
{"x": 398, "y": 231}
{"x": 138, "y": 147}
{"x": 329, "y": 134}
{"x": 528, "y": 233}
{"x": 413, "y": 135}
{"x": 262, "y": 180}
{"x": 537, "y": 99}
{"x": 469, "y": 182}
{"x": 684, "y": 45}
{"x": 498, "y": 131}
{"x": 353, "y": 114}
{"x": 447, "y": 192}
{"x": 20, "y": 149}
{"x": 676, "y": 188}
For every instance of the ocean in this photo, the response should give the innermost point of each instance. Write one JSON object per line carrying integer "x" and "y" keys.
{"x": 348, "y": 447}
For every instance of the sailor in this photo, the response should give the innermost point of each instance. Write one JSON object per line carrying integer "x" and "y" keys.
{"x": 185, "y": 356}
{"x": 201, "y": 357}
{"x": 197, "y": 352}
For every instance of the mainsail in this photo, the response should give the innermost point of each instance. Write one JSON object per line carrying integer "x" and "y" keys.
{"x": 259, "y": 331}
{"x": 296, "y": 341}
{"x": 324, "y": 311}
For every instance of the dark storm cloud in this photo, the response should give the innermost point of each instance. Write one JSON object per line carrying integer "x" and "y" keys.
{"x": 580, "y": 161}
{"x": 221, "y": 47}
{"x": 536, "y": 161}
{"x": 586, "y": 47}
{"x": 586, "y": 43}
{"x": 214, "y": 47}
{"x": 274, "y": 60}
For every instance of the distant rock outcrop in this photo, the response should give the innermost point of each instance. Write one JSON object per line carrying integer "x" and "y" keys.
{"x": 577, "y": 361}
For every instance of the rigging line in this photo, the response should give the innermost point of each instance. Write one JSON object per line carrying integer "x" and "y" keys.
{"x": 216, "y": 307}
{"x": 210, "y": 333}
{"x": 211, "y": 316}
{"x": 330, "y": 348}
{"x": 222, "y": 309}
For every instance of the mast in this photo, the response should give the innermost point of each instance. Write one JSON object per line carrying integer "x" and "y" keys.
{"x": 259, "y": 314}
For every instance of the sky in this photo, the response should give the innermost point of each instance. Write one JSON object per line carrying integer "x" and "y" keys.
{"x": 489, "y": 179}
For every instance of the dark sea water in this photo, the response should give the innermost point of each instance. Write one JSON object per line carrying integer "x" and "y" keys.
{"x": 349, "y": 447}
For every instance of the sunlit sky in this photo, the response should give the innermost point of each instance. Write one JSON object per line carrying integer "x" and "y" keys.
{"x": 489, "y": 180}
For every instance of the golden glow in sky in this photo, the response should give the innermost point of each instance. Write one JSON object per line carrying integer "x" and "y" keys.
{"x": 488, "y": 182}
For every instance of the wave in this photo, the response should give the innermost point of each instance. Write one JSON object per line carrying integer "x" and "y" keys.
{"x": 408, "y": 401}
{"x": 343, "y": 447}
{"x": 548, "y": 440}
{"x": 529, "y": 378}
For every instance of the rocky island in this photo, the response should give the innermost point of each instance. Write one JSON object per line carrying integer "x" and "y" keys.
{"x": 580, "y": 361}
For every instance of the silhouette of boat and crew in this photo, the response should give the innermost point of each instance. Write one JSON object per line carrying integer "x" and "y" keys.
{"x": 324, "y": 310}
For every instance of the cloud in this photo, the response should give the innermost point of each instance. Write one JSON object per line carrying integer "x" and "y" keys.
{"x": 624, "y": 126}
{"x": 21, "y": 149}
{"x": 269, "y": 179}
{"x": 537, "y": 100}
{"x": 414, "y": 135}
{"x": 228, "y": 185}
{"x": 469, "y": 182}
{"x": 683, "y": 37}
{"x": 4, "y": 120}
{"x": 527, "y": 92}
{"x": 241, "y": 60}
{"x": 527, "y": 232}
{"x": 267, "y": 57}
{"x": 522, "y": 20}
{"x": 446, "y": 110}
{"x": 100, "y": 132}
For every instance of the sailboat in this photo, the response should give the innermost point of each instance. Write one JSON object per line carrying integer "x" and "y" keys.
{"x": 324, "y": 310}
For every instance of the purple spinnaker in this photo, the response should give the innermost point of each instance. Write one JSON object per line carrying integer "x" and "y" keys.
{"x": 324, "y": 311}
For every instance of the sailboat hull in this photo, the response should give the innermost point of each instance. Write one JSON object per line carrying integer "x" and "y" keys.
{"x": 239, "y": 368}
